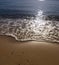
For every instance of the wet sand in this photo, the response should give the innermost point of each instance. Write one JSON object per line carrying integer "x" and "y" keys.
{"x": 27, "y": 53}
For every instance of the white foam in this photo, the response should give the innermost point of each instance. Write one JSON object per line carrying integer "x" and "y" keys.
{"x": 30, "y": 29}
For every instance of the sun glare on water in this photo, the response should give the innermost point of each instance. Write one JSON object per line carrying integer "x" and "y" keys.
{"x": 41, "y": 0}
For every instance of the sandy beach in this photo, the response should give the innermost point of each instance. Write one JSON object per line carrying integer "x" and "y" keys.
{"x": 27, "y": 53}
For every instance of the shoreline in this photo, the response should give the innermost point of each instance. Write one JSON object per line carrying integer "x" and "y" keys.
{"x": 18, "y": 41}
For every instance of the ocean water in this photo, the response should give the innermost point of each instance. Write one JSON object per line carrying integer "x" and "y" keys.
{"x": 36, "y": 20}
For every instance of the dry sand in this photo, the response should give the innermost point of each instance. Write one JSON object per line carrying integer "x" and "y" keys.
{"x": 27, "y": 53}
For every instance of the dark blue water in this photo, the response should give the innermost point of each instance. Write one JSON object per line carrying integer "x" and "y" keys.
{"x": 29, "y": 7}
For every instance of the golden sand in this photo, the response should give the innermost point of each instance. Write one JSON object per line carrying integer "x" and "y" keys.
{"x": 27, "y": 53}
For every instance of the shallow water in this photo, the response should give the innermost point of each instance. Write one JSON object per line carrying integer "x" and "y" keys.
{"x": 30, "y": 20}
{"x": 30, "y": 29}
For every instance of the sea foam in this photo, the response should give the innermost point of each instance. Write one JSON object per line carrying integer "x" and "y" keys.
{"x": 35, "y": 29}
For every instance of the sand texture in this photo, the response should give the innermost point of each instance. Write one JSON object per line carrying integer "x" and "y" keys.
{"x": 27, "y": 53}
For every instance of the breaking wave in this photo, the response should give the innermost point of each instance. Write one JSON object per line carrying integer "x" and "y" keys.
{"x": 38, "y": 28}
